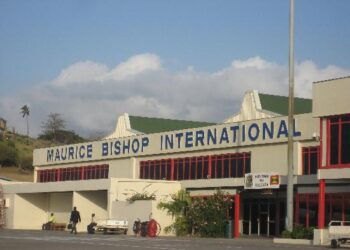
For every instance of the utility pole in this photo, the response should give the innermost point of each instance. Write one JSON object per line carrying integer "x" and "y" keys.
{"x": 289, "y": 218}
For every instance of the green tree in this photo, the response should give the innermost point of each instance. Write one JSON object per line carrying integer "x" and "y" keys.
{"x": 205, "y": 217}
{"x": 209, "y": 215}
{"x": 177, "y": 208}
{"x": 25, "y": 113}
{"x": 52, "y": 125}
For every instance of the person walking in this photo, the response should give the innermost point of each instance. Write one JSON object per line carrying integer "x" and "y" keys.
{"x": 74, "y": 219}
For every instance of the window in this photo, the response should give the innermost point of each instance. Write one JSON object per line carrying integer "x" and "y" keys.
{"x": 197, "y": 167}
{"x": 337, "y": 208}
{"x": 226, "y": 165}
{"x": 310, "y": 160}
{"x": 74, "y": 173}
{"x": 339, "y": 140}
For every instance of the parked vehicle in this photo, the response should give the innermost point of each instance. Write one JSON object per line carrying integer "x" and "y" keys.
{"x": 339, "y": 232}
{"x": 112, "y": 226}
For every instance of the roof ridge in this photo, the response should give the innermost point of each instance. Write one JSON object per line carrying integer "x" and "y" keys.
{"x": 332, "y": 79}
{"x": 284, "y": 96}
{"x": 169, "y": 119}
{"x": 279, "y": 104}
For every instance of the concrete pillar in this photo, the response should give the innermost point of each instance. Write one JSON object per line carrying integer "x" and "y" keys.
{"x": 237, "y": 209}
{"x": 321, "y": 204}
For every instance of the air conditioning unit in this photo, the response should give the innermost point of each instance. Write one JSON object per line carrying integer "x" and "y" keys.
{"x": 5, "y": 202}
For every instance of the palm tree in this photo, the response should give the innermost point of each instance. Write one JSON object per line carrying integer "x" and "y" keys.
{"x": 25, "y": 112}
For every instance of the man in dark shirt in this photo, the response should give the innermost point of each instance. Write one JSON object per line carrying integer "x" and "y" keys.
{"x": 74, "y": 219}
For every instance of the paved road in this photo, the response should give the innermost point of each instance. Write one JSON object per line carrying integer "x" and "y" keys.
{"x": 56, "y": 240}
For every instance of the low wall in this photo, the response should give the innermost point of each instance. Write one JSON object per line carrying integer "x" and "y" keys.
{"x": 143, "y": 209}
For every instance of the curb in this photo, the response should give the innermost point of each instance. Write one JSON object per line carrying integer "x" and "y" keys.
{"x": 292, "y": 241}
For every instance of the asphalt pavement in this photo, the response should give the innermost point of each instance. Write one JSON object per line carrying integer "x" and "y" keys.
{"x": 62, "y": 240}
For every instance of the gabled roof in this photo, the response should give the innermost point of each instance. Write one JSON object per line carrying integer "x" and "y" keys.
{"x": 149, "y": 125}
{"x": 279, "y": 104}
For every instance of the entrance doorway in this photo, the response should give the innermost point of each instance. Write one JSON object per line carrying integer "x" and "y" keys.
{"x": 263, "y": 217}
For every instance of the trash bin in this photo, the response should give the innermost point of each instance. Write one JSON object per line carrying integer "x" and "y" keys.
{"x": 229, "y": 229}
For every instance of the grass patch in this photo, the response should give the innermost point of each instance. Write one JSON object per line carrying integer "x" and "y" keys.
{"x": 16, "y": 174}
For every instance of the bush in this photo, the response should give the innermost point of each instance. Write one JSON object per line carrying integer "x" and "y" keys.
{"x": 61, "y": 136}
{"x": 26, "y": 162}
{"x": 208, "y": 215}
{"x": 298, "y": 232}
{"x": 309, "y": 233}
{"x": 286, "y": 234}
{"x": 141, "y": 197}
{"x": 8, "y": 154}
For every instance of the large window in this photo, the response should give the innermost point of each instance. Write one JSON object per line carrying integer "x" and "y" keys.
{"x": 337, "y": 208}
{"x": 74, "y": 173}
{"x": 339, "y": 140}
{"x": 310, "y": 160}
{"x": 197, "y": 167}
{"x": 191, "y": 168}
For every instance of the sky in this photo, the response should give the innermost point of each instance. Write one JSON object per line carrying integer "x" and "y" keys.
{"x": 92, "y": 60}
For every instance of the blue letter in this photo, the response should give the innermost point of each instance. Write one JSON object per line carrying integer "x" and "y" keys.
{"x": 137, "y": 143}
{"x": 116, "y": 147}
{"x": 64, "y": 156}
{"x": 145, "y": 142}
{"x": 200, "y": 137}
{"x": 267, "y": 130}
{"x": 211, "y": 136}
{"x": 57, "y": 157}
{"x": 234, "y": 131}
{"x": 169, "y": 141}
{"x": 243, "y": 133}
{"x": 179, "y": 136}
{"x": 104, "y": 148}
{"x": 189, "y": 139}
{"x": 126, "y": 146}
{"x": 251, "y": 137}
{"x": 224, "y": 136}
{"x": 296, "y": 133}
{"x": 89, "y": 151}
{"x": 70, "y": 153}
{"x": 282, "y": 129}
{"x": 49, "y": 154}
{"x": 81, "y": 155}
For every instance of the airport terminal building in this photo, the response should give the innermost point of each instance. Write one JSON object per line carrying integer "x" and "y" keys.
{"x": 245, "y": 156}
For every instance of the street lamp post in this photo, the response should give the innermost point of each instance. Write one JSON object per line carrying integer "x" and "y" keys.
{"x": 289, "y": 218}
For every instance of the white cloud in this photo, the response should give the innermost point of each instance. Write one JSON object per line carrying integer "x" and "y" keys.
{"x": 80, "y": 72}
{"x": 90, "y": 96}
{"x": 254, "y": 62}
{"x": 133, "y": 66}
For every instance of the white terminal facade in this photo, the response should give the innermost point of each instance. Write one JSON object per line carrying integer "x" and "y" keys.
{"x": 162, "y": 156}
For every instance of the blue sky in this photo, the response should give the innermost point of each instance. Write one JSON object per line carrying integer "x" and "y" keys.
{"x": 40, "y": 39}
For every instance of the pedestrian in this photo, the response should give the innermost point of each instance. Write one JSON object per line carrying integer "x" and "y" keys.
{"x": 74, "y": 219}
{"x": 91, "y": 226}
{"x": 49, "y": 224}
{"x": 137, "y": 227}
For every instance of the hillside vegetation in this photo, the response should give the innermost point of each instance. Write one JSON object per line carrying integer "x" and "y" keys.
{"x": 16, "y": 155}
